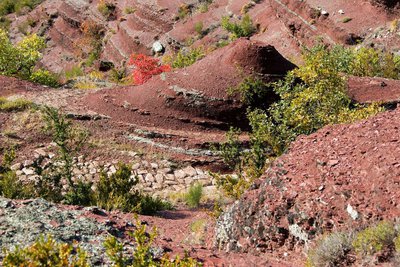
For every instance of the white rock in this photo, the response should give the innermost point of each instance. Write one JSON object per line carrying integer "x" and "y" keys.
{"x": 28, "y": 171}
{"x": 341, "y": 11}
{"x": 149, "y": 178}
{"x": 113, "y": 169}
{"x": 170, "y": 177}
{"x": 135, "y": 166}
{"x": 159, "y": 178}
{"x": 179, "y": 174}
{"x": 154, "y": 165}
{"x": 352, "y": 212}
{"x": 190, "y": 171}
{"x": 158, "y": 47}
{"x": 28, "y": 163}
{"x": 16, "y": 167}
{"x": 324, "y": 13}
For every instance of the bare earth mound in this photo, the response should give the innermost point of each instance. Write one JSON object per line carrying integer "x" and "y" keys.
{"x": 195, "y": 97}
{"x": 339, "y": 178}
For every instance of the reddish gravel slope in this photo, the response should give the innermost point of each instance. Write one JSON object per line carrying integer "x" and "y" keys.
{"x": 315, "y": 186}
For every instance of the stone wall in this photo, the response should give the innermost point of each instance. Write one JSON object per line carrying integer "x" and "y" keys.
{"x": 158, "y": 177}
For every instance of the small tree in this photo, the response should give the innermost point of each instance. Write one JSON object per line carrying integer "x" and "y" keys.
{"x": 145, "y": 68}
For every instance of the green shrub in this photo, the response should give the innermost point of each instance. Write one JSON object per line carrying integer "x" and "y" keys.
{"x": 46, "y": 252}
{"x": 11, "y": 6}
{"x": 184, "y": 10}
{"x": 44, "y": 77}
{"x": 11, "y": 187}
{"x": 73, "y": 72}
{"x": 374, "y": 238}
{"x": 346, "y": 19}
{"x": 233, "y": 186}
{"x": 330, "y": 251}
{"x": 19, "y": 59}
{"x": 194, "y": 195}
{"x": 317, "y": 100}
{"x": 185, "y": 58}
{"x": 118, "y": 75}
{"x": 230, "y": 150}
{"x": 82, "y": 194}
{"x": 244, "y": 28}
{"x": 5, "y": 23}
{"x": 253, "y": 92}
{"x": 374, "y": 62}
{"x": 151, "y": 205}
{"x": 198, "y": 27}
{"x": 106, "y": 8}
{"x": 14, "y": 105}
{"x": 129, "y": 10}
{"x": 69, "y": 140}
{"x": 117, "y": 190}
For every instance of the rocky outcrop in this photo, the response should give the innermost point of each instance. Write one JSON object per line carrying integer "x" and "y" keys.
{"x": 22, "y": 223}
{"x": 338, "y": 178}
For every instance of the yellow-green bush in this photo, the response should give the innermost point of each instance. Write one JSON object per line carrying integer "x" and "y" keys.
{"x": 118, "y": 191}
{"x": 46, "y": 252}
{"x": 374, "y": 62}
{"x": 243, "y": 28}
{"x": 142, "y": 255}
{"x": 185, "y": 58}
{"x": 44, "y": 77}
{"x": 312, "y": 96}
{"x": 20, "y": 59}
{"x": 374, "y": 238}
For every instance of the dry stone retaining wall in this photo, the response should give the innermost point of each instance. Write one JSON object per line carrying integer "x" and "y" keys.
{"x": 160, "y": 177}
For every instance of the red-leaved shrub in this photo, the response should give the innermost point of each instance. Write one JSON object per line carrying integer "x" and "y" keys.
{"x": 145, "y": 68}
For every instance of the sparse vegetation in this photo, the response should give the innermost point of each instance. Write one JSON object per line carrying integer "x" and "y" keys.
{"x": 185, "y": 57}
{"x": 244, "y": 28}
{"x": 14, "y": 105}
{"x": 73, "y": 72}
{"x": 346, "y": 19}
{"x": 184, "y": 10}
{"x": 198, "y": 27}
{"x": 129, "y": 10}
{"x": 338, "y": 248}
{"x": 45, "y": 77}
{"x": 142, "y": 255}
{"x": 203, "y": 7}
{"x": 106, "y": 8}
{"x": 254, "y": 93}
{"x": 118, "y": 191}
{"x": 194, "y": 195}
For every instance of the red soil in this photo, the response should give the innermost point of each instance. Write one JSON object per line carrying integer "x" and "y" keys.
{"x": 194, "y": 98}
{"x": 367, "y": 90}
